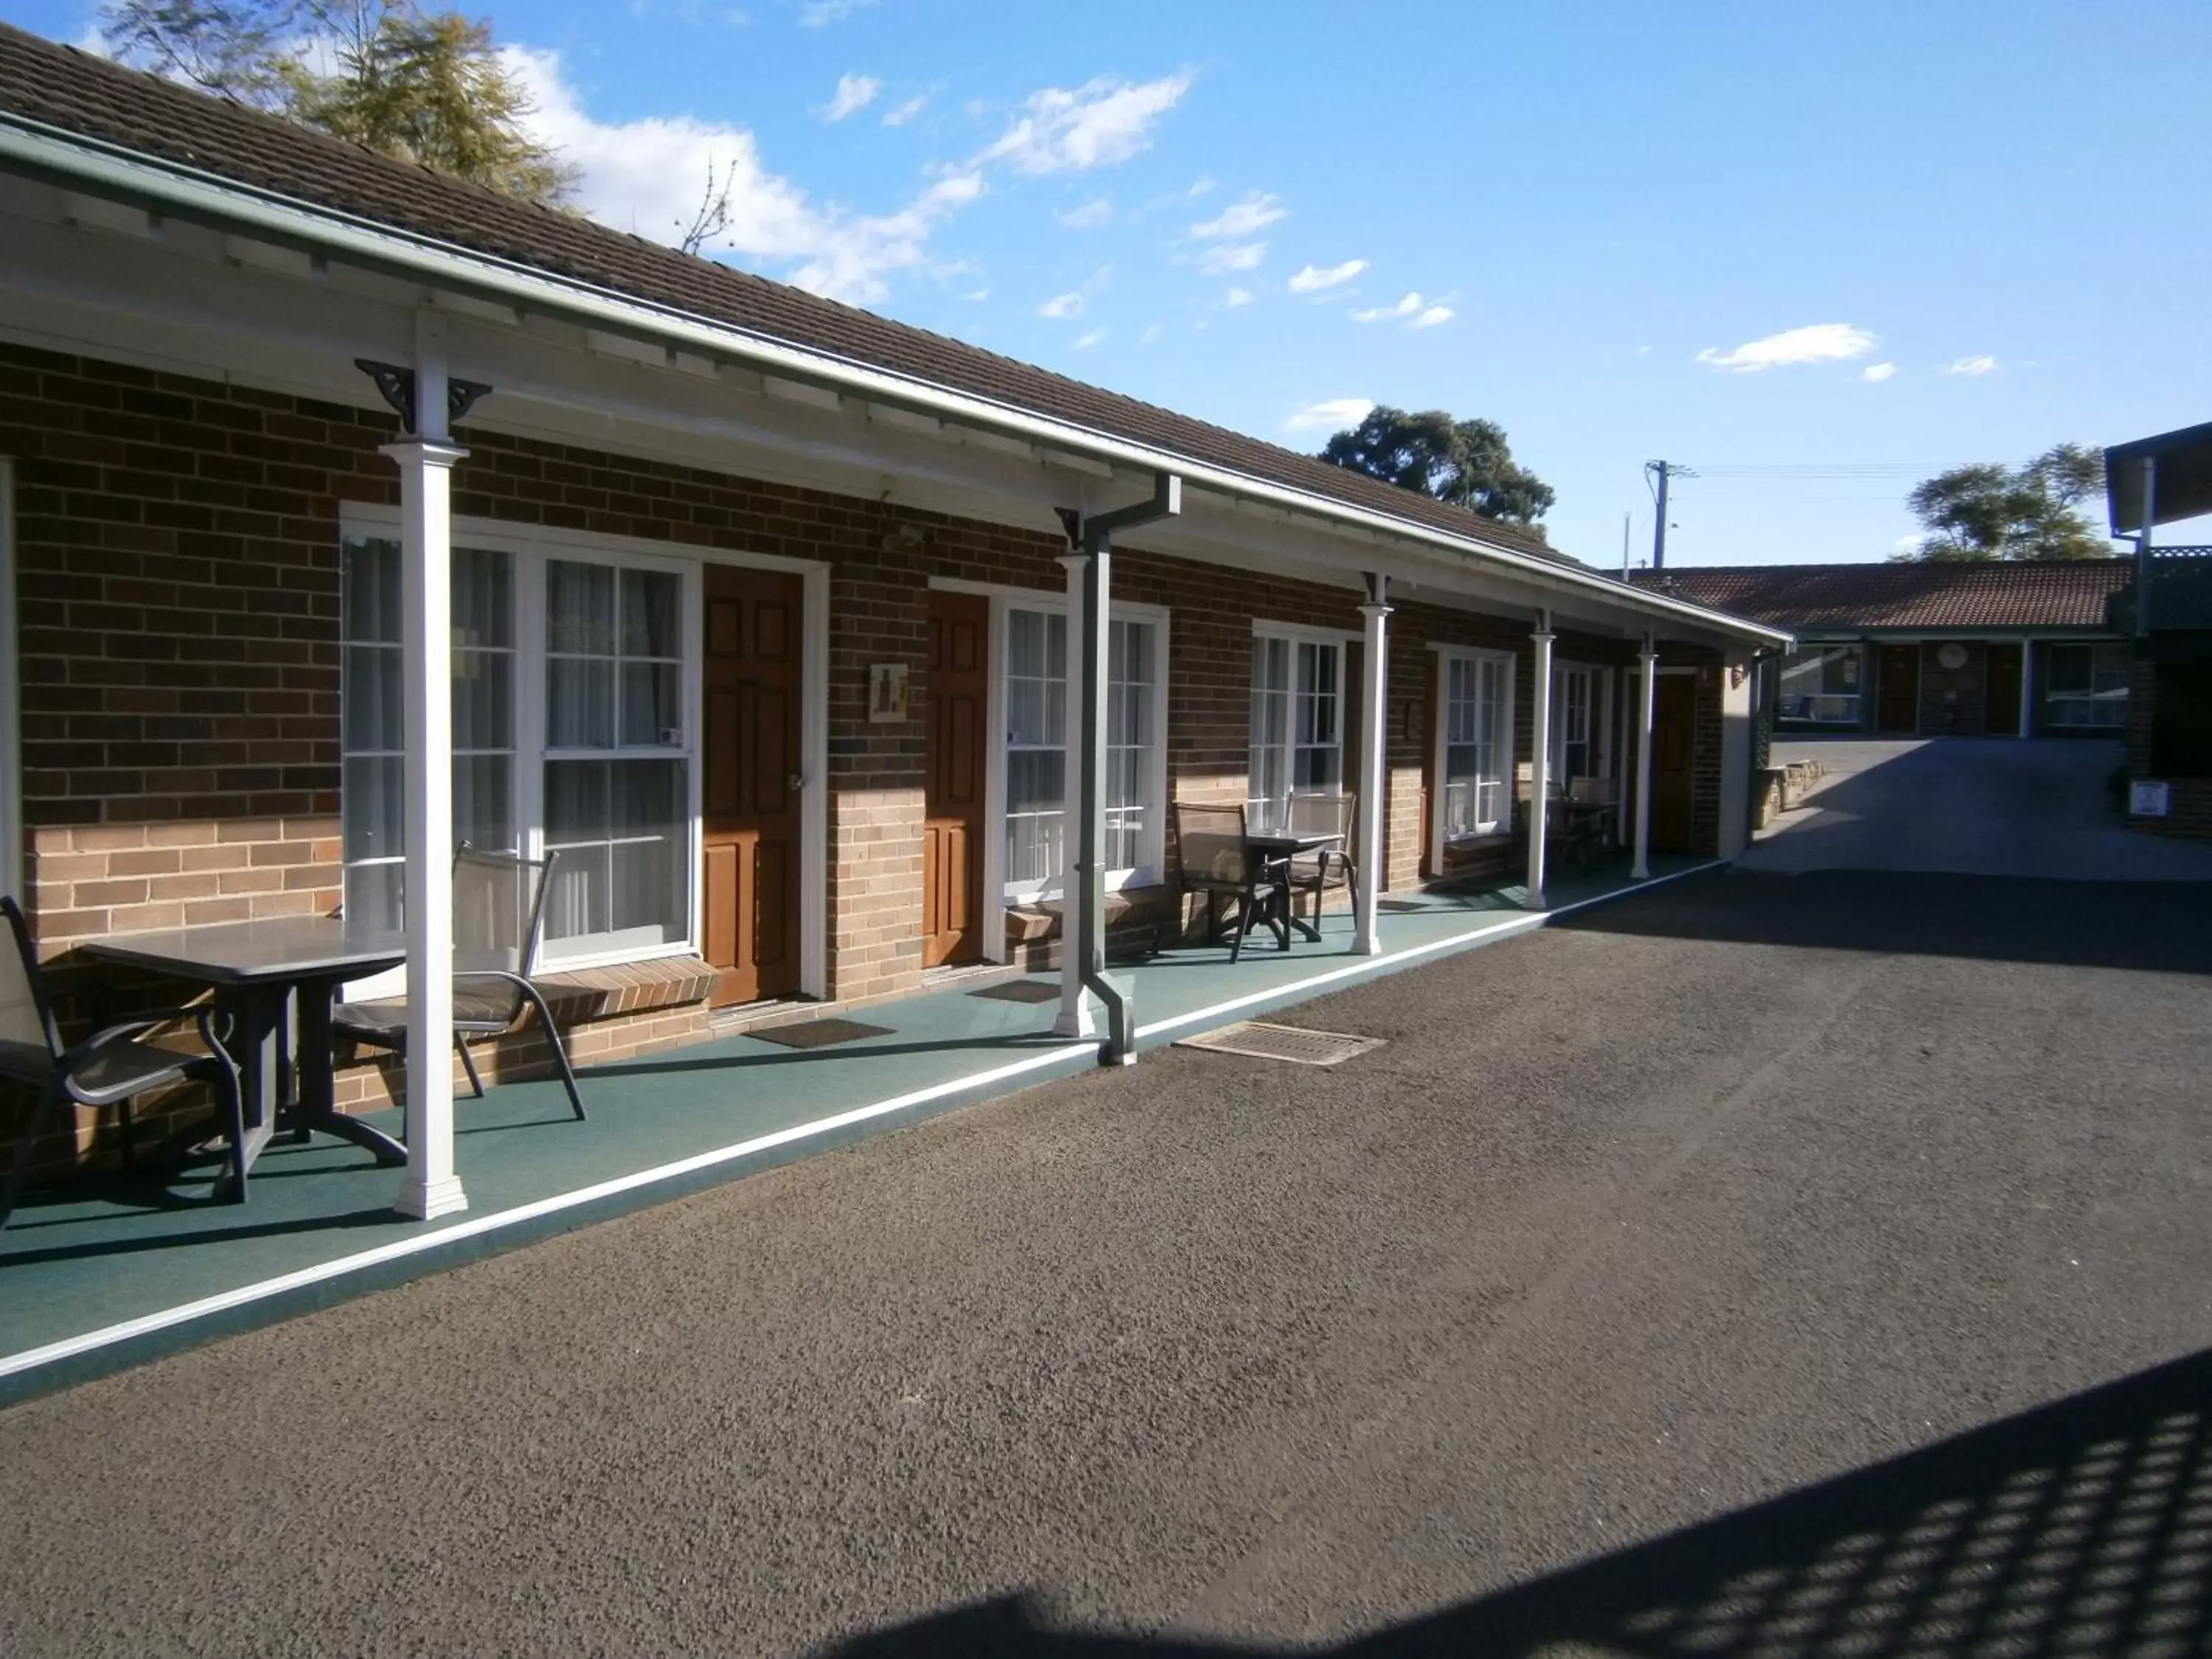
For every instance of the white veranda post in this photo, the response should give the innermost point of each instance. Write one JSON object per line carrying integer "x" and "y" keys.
{"x": 1540, "y": 759}
{"x": 1375, "y": 679}
{"x": 1647, "y": 700}
{"x": 1075, "y": 1018}
{"x": 430, "y": 1187}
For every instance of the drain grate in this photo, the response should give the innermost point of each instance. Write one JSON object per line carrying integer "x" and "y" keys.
{"x": 1294, "y": 1043}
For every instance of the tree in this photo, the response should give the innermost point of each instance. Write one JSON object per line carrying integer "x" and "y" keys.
{"x": 1464, "y": 462}
{"x": 422, "y": 87}
{"x": 1993, "y": 511}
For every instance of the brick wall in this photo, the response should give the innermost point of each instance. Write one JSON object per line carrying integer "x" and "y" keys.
{"x": 2190, "y": 800}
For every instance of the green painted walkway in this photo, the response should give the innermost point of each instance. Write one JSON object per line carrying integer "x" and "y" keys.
{"x": 93, "y": 1279}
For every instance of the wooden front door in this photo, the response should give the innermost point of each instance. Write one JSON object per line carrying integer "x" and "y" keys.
{"x": 749, "y": 781}
{"x": 958, "y": 701}
{"x": 2001, "y": 688}
{"x": 1673, "y": 762}
{"x": 1898, "y": 708}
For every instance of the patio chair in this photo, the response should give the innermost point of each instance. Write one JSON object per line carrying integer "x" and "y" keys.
{"x": 1588, "y": 832}
{"x": 112, "y": 1067}
{"x": 1214, "y": 858}
{"x": 1316, "y": 873}
{"x": 498, "y": 915}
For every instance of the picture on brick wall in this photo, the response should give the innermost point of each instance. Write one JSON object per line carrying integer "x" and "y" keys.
{"x": 886, "y": 692}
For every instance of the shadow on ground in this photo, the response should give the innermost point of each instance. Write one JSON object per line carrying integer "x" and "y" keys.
{"x": 2082, "y": 1527}
{"x": 2152, "y": 926}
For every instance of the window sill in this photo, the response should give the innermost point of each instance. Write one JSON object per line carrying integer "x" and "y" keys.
{"x": 579, "y": 995}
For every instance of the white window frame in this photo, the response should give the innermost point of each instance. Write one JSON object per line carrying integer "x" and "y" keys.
{"x": 2054, "y": 699}
{"x": 1440, "y": 838}
{"x": 11, "y": 698}
{"x": 1295, "y": 635}
{"x": 1004, "y": 598}
{"x": 530, "y": 546}
{"x": 1600, "y": 720}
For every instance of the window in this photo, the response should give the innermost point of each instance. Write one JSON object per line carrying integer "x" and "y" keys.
{"x": 1574, "y": 725}
{"x": 1298, "y": 723}
{"x": 1477, "y": 744}
{"x": 1821, "y": 684}
{"x": 1037, "y": 747}
{"x": 373, "y": 733}
{"x": 2086, "y": 684}
{"x": 569, "y": 735}
{"x": 1038, "y": 741}
{"x": 618, "y": 800}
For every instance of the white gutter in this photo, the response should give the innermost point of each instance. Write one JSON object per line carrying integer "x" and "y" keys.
{"x": 76, "y": 162}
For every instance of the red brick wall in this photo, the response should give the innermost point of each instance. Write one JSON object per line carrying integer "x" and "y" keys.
{"x": 2189, "y": 800}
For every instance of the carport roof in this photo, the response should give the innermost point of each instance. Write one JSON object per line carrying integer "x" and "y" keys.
{"x": 2073, "y": 593}
{"x": 2185, "y": 477}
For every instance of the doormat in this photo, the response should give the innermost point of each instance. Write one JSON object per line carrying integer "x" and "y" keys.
{"x": 1399, "y": 904}
{"x": 1294, "y": 1043}
{"x": 820, "y": 1033}
{"x": 1020, "y": 990}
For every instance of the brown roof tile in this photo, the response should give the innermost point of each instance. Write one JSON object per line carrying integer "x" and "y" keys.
{"x": 2060, "y": 593}
{"x": 88, "y": 96}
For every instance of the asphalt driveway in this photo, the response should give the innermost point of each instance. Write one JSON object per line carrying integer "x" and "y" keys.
{"x": 1989, "y": 806}
{"x": 1766, "y": 1264}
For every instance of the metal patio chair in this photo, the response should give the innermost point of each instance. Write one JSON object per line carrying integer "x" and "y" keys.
{"x": 1214, "y": 858}
{"x": 112, "y": 1067}
{"x": 1316, "y": 871}
{"x": 498, "y": 915}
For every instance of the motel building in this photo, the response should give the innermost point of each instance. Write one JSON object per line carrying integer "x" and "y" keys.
{"x": 348, "y": 513}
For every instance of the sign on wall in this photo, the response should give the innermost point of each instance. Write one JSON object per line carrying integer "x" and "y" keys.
{"x": 2150, "y": 798}
{"x": 886, "y": 692}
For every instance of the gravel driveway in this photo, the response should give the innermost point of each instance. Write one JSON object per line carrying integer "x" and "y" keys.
{"x": 1496, "y": 1338}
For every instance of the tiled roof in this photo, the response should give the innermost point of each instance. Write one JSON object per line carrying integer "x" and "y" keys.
{"x": 85, "y": 95}
{"x": 2058, "y": 593}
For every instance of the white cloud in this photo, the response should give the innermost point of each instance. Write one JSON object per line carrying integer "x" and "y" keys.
{"x": 1095, "y": 125}
{"x": 1202, "y": 186}
{"x": 1219, "y": 260}
{"x": 648, "y": 175}
{"x": 1237, "y": 296}
{"x": 1971, "y": 366}
{"x": 1314, "y": 279}
{"x": 1062, "y": 305}
{"x": 1084, "y": 342}
{"x": 1431, "y": 316}
{"x": 817, "y": 14}
{"x": 1817, "y": 343}
{"x": 854, "y": 93}
{"x": 906, "y": 111}
{"x": 1331, "y": 414}
{"x": 1255, "y": 213}
{"x": 1907, "y": 544}
{"x": 1089, "y": 216}
{"x": 1408, "y": 306}
{"x": 1152, "y": 331}
{"x": 1877, "y": 371}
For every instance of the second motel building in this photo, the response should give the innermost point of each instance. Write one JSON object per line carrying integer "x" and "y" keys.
{"x": 760, "y": 605}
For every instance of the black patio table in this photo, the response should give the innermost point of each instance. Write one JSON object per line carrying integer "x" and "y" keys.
{"x": 1280, "y": 848}
{"x": 256, "y": 968}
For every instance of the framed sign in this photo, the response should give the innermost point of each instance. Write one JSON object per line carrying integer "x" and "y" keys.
{"x": 2150, "y": 798}
{"x": 886, "y": 692}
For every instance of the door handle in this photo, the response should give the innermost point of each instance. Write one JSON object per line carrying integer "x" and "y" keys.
{"x": 794, "y": 782}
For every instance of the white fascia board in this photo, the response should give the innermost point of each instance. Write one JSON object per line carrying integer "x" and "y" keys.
{"x": 90, "y": 166}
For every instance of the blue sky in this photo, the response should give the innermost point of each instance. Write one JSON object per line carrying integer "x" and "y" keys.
{"x": 1792, "y": 245}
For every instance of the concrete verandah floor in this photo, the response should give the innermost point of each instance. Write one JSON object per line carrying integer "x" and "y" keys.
{"x": 94, "y": 1277}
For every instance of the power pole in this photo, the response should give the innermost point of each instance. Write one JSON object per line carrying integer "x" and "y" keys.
{"x": 1664, "y": 471}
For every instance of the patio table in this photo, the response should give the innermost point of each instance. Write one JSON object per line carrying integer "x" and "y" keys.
{"x": 257, "y": 971}
{"x": 1279, "y": 848}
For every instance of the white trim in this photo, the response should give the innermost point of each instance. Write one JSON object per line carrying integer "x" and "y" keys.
{"x": 1085, "y": 1053}
{"x": 1439, "y": 841}
{"x": 1263, "y": 628}
{"x": 11, "y": 702}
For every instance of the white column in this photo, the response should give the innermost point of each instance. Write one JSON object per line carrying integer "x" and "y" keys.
{"x": 2027, "y": 684}
{"x": 1540, "y": 759}
{"x": 1374, "y": 766}
{"x": 430, "y": 1187}
{"x": 1647, "y": 697}
{"x": 1075, "y": 1018}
